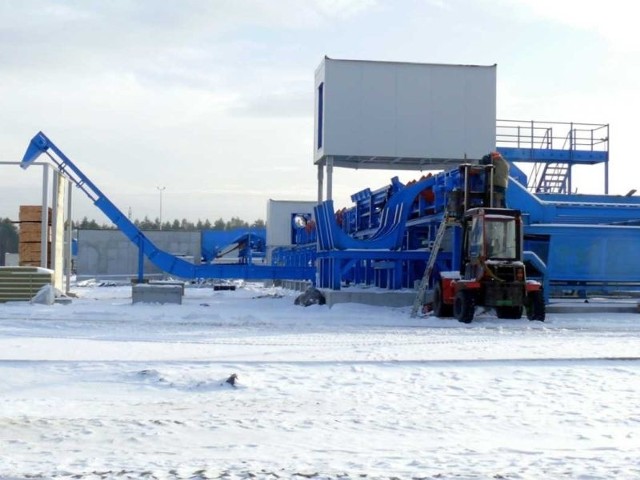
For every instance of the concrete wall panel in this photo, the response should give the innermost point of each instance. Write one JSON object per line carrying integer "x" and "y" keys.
{"x": 109, "y": 254}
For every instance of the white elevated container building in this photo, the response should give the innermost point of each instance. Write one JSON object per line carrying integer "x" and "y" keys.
{"x": 401, "y": 116}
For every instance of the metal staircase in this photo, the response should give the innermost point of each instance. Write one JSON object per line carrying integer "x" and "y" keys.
{"x": 553, "y": 179}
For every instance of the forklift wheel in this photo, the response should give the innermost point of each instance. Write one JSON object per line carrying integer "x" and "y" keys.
{"x": 535, "y": 306}
{"x": 440, "y": 309}
{"x": 464, "y": 306}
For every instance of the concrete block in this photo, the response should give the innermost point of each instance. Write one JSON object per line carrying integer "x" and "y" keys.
{"x": 168, "y": 282}
{"x": 382, "y": 298}
{"x": 153, "y": 293}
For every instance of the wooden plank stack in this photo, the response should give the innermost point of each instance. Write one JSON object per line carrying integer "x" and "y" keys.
{"x": 30, "y": 236}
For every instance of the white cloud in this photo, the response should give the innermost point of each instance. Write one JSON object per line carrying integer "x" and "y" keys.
{"x": 615, "y": 21}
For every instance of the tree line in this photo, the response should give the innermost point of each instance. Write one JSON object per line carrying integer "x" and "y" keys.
{"x": 180, "y": 225}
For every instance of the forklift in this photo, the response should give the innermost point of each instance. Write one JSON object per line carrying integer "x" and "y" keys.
{"x": 492, "y": 274}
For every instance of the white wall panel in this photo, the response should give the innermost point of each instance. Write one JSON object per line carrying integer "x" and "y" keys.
{"x": 279, "y": 220}
{"x": 405, "y": 110}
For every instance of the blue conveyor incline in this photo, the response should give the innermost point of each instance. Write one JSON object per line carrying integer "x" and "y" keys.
{"x": 572, "y": 209}
{"x": 168, "y": 263}
{"x": 390, "y": 232}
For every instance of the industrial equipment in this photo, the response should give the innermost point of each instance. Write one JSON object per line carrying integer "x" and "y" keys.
{"x": 491, "y": 270}
{"x": 492, "y": 274}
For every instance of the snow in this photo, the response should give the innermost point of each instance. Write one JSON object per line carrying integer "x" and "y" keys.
{"x": 103, "y": 388}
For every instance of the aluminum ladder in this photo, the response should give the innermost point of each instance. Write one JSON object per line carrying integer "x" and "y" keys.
{"x": 424, "y": 283}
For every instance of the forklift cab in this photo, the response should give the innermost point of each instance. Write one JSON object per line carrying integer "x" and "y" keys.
{"x": 490, "y": 234}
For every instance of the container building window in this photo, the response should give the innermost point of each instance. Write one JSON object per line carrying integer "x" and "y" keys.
{"x": 320, "y": 112}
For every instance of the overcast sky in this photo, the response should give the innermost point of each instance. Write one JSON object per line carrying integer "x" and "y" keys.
{"x": 213, "y": 100}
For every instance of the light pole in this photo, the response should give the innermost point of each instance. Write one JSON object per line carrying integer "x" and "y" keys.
{"x": 161, "y": 189}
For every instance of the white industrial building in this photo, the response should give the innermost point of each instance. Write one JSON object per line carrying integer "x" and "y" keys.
{"x": 401, "y": 116}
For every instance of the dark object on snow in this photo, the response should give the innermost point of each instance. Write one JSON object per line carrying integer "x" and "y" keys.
{"x": 232, "y": 379}
{"x": 311, "y": 296}
{"x": 217, "y": 288}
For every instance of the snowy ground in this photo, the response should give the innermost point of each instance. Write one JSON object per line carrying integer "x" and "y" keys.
{"x": 103, "y": 389}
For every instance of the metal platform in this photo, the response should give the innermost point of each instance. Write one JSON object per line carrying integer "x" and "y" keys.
{"x": 554, "y": 148}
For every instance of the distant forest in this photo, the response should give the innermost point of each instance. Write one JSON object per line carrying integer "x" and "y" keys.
{"x": 183, "y": 225}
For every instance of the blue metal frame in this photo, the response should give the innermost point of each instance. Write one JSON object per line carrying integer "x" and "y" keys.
{"x": 215, "y": 242}
{"x": 391, "y": 252}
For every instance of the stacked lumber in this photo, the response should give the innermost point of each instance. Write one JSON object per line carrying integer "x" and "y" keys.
{"x": 30, "y": 235}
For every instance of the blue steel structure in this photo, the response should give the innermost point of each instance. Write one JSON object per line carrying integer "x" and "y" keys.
{"x": 171, "y": 264}
{"x": 572, "y": 242}
{"x": 392, "y": 250}
{"x": 215, "y": 242}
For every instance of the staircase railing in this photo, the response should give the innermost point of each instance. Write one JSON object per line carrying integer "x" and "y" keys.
{"x": 531, "y": 134}
{"x": 566, "y": 136}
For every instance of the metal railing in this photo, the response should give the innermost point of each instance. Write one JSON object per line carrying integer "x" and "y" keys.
{"x": 560, "y": 136}
{"x": 552, "y": 135}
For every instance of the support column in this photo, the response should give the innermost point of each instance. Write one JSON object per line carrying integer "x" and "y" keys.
{"x": 320, "y": 182}
{"x": 57, "y": 230}
{"x": 569, "y": 181}
{"x": 456, "y": 247}
{"x": 329, "y": 178}
{"x": 69, "y": 251}
{"x": 44, "y": 218}
{"x": 140, "y": 259}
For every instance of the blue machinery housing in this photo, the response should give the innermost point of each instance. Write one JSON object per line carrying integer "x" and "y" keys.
{"x": 573, "y": 242}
